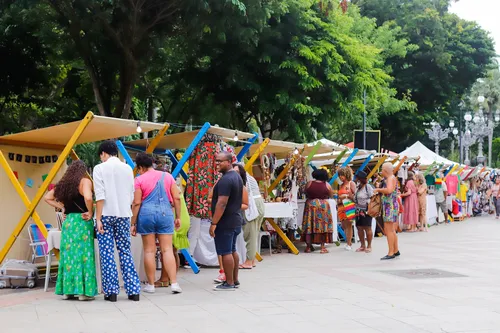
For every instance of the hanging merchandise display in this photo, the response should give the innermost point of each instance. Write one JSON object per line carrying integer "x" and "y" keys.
{"x": 202, "y": 176}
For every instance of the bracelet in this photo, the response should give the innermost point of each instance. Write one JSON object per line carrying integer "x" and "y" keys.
{"x": 133, "y": 224}
{"x": 213, "y": 223}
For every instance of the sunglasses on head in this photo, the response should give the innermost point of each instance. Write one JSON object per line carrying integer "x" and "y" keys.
{"x": 220, "y": 161}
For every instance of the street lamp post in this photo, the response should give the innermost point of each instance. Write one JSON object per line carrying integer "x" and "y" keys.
{"x": 437, "y": 134}
{"x": 482, "y": 127}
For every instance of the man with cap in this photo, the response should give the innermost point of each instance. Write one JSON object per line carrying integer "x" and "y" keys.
{"x": 363, "y": 220}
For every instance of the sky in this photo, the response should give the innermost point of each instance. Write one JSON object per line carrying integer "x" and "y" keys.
{"x": 484, "y": 12}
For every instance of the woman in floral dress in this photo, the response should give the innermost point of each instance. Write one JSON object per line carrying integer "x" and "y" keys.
{"x": 73, "y": 195}
{"x": 390, "y": 210}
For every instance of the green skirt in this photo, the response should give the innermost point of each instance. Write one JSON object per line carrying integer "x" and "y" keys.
{"x": 77, "y": 262}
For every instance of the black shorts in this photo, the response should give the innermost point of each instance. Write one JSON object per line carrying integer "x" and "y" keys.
{"x": 363, "y": 221}
{"x": 225, "y": 240}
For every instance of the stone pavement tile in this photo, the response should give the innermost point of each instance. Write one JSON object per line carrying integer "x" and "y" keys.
{"x": 385, "y": 324}
{"x": 470, "y": 325}
{"x": 326, "y": 301}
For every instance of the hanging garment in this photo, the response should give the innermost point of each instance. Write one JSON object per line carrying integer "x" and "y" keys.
{"x": 201, "y": 178}
{"x": 452, "y": 184}
{"x": 430, "y": 180}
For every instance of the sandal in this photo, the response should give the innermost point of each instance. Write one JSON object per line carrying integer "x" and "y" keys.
{"x": 361, "y": 249}
{"x": 162, "y": 284}
{"x": 308, "y": 250}
{"x": 323, "y": 251}
{"x": 368, "y": 250}
{"x": 245, "y": 267}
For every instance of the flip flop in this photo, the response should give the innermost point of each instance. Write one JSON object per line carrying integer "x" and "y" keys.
{"x": 368, "y": 250}
{"x": 323, "y": 251}
{"x": 361, "y": 249}
{"x": 162, "y": 284}
{"x": 244, "y": 267}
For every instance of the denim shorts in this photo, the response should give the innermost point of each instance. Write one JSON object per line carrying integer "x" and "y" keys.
{"x": 225, "y": 240}
{"x": 155, "y": 223}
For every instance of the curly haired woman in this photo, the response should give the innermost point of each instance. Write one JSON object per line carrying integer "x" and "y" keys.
{"x": 347, "y": 191}
{"x": 73, "y": 195}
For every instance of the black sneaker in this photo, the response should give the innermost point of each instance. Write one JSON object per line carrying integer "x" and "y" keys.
{"x": 134, "y": 298}
{"x": 236, "y": 284}
{"x": 224, "y": 287}
{"x": 111, "y": 298}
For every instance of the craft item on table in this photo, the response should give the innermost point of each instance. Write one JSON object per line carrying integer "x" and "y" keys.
{"x": 51, "y": 187}
{"x": 47, "y": 159}
{"x": 19, "y": 157}
{"x": 16, "y": 174}
{"x": 54, "y": 158}
{"x": 41, "y": 160}
{"x": 44, "y": 177}
{"x": 27, "y": 159}
{"x": 29, "y": 182}
{"x": 34, "y": 159}
{"x": 12, "y": 156}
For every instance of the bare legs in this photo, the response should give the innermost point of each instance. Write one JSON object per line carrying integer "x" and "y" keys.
{"x": 169, "y": 262}
{"x": 347, "y": 226}
{"x": 230, "y": 265}
{"x": 164, "y": 280}
{"x": 392, "y": 238}
{"x": 365, "y": 233}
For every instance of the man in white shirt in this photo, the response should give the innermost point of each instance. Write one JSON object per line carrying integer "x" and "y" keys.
{"x": 114, "y": 191}
{"x": 441, "y": 193}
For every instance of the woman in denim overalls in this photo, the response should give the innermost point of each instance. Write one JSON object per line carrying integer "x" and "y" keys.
{"x": 153, "y": 218}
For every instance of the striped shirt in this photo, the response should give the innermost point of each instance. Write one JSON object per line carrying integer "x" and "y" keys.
{"x": 252, "y": 186}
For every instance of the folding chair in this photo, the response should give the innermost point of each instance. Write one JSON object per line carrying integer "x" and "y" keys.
{"x": 38, "y": 243}
{"x": 60, "y": 220}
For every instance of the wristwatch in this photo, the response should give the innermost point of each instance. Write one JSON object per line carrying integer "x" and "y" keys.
{"x": 213, "y": 223}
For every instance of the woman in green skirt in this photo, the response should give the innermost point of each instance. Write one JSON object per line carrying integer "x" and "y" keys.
{"x": 73, "y": 195}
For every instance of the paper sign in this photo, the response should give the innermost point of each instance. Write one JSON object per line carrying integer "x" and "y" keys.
{"x": 15, "y": 174}
{"x": 44, "y": 177}
{"x": 29, "y": 182}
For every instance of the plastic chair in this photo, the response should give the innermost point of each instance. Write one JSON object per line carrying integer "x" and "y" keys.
{"x": 38, "y": 242}
{"x": 265, "y": 234}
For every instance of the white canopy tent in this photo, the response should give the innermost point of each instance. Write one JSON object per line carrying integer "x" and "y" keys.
{"x": 427, "y": 156}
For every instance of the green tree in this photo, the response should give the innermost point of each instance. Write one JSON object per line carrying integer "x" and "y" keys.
{"x": 452, "y": 53}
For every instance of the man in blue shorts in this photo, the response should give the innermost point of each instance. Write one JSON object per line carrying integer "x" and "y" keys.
{"x": 227, "y": 219}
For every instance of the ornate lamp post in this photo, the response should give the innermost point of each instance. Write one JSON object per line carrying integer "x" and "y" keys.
{"x": 467, "y": 140}
{"x": 454, "y": 131}
{"x": 437, "y": 134}
{"x": 482, "y": 127}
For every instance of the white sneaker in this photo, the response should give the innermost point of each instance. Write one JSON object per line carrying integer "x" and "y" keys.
{"x": 150, "y": 289}
{"x": 176, "y": 289}
{"x": 348, "y": 248}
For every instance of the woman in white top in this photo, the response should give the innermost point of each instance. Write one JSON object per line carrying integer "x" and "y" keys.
{"x": 495, "y": 193}
{"x": 253, "y": 216}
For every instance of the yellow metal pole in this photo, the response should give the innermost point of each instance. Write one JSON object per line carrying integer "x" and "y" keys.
{"x": 256, "y": 155}
{"x": 178, "y": 156}
{"x": 451, "y": 171}
{"x": 157, "y": 139}
{"x": 395, "y": 160}
{"x": 283, "y": 236}
{"x": 41, "y": 191}
{"x": 283, "y": 173}
{"x": 377, "y": 166}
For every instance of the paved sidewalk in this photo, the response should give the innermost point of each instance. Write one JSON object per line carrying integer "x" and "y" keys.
{"x": 337, "y": 292}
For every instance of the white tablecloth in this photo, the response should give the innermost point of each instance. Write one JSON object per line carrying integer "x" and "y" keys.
{"x": 431, "y": 209}
{"x": 54, "y": 242}
{"x": 275, "y": 210}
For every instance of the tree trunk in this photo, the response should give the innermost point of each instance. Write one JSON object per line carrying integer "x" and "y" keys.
{"x": 128, "y": 76}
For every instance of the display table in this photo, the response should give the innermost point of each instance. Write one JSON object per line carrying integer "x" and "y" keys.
{"x": 54, "y": 242}
{"x": 275, "y": 210}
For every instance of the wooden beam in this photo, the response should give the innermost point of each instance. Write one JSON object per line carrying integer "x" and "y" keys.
{"x": 280, "y": 233}
{"x": 396, "y": 169}
{"x": 282, "y": 174}
{"x": 30, "y": 144}
{"x": 377, "y": 166}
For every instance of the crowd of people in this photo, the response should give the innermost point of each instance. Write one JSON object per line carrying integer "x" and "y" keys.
{"x": 150, "y": 206}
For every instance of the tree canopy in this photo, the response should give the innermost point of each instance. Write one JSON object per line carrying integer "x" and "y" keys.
{"x": 295, "y": 69}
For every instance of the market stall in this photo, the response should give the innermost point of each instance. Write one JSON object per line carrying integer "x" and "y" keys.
{"x": 201, "y": 147}
{"x": 33, "y": 161}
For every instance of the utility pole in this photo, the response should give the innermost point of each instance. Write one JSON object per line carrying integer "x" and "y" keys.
{"x": 364, "y": 120}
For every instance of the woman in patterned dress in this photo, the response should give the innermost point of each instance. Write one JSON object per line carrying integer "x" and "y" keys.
{"x": 422, "y": 202}
{"x": 73, "y": 195}
{"x": 390, "y": 210}
{"x": 317, "y": 224}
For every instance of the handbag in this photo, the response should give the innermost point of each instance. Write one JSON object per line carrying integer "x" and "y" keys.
{"x": 350, "y": 209}
{"x": 375, "y": 206}
{"x": 252, "y": 212}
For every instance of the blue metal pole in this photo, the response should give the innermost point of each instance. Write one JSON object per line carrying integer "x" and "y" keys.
{"x": 125, "y": 154}
{"x": 448, "y": 170}
{"x": 247, "y": 147}
{"x": 363, "y": 166}
{"x": 313, "y": 167}
{"x": 190, "y": 149}
{"x": 346, "y": 162}
{"x": 175, "y": 162}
